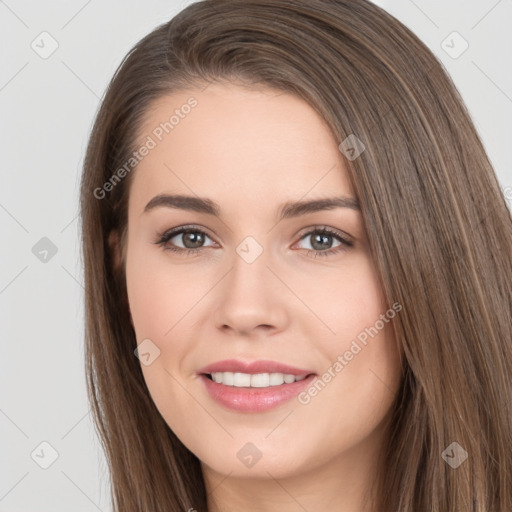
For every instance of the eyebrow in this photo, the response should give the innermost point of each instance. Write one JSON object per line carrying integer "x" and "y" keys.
{"x": 288, "y": 210}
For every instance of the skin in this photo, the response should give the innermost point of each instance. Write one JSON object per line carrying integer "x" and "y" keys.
{"x": 251, "y": 150}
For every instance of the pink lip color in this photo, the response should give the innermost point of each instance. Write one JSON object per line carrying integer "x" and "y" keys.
{"x": 244, "y": 399}
{"x": 233, "y": 365}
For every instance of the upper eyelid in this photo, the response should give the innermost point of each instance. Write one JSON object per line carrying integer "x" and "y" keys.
{"x": 179, "y": 230}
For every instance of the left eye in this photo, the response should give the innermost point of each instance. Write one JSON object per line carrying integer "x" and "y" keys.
{"x": 320, "y": 244}
{"x": 321, "y": 239}
{"x": 193, "y": 239}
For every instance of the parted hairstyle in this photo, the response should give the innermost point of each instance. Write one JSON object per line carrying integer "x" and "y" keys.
{"x": 438, "y": 225}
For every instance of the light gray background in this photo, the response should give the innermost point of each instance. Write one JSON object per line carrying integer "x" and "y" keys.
{"x": 47, "y": 108}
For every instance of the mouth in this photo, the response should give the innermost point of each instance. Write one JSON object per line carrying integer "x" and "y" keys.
{"x": 253, "y": 387}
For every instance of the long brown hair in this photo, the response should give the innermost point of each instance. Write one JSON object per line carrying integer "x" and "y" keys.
{"x": 438, "y": 225}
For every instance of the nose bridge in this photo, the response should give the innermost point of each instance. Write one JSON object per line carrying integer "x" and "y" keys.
{"x": 251, "y": 250}
{"x": 249, "y": 266}
{"x": 249, "y": 295}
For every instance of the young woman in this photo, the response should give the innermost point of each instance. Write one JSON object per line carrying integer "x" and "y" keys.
{"x": 298, "y": 270}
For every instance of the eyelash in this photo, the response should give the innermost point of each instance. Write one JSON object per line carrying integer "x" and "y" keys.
{"x": 163, "y": 238}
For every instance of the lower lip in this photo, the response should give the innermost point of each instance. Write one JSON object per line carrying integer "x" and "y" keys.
{"x": 254, "y": 399}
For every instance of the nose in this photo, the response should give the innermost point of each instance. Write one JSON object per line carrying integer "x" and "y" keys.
{"x": 251, "y": 299}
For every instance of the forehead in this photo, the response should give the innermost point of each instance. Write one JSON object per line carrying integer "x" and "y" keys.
{"x": 232, "y": 142}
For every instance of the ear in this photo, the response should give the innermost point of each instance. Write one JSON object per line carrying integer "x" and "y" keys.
{"x": 115, "y": 250}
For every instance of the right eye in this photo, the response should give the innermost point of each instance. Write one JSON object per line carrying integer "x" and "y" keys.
{"x": 191, "y": 237}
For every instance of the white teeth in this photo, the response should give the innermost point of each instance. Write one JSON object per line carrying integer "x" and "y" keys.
{"x": 260, "y": 380}
{"x": 228, "y": 379}
{"x": 241, "y": 380}
{"x": 256, "y": 380}
{"x": 276, "y": 379}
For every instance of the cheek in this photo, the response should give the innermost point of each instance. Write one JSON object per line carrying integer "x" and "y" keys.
{"x": 352, "y": 397}
{"x": 350, "y": 303}
{"x": 363, "y": 372}
{"x": 160, "y": 295}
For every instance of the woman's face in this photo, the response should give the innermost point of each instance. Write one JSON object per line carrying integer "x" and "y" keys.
{"x": 256, "y": 287}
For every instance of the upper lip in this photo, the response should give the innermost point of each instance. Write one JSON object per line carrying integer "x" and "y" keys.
{"x": 252, "y": 367}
